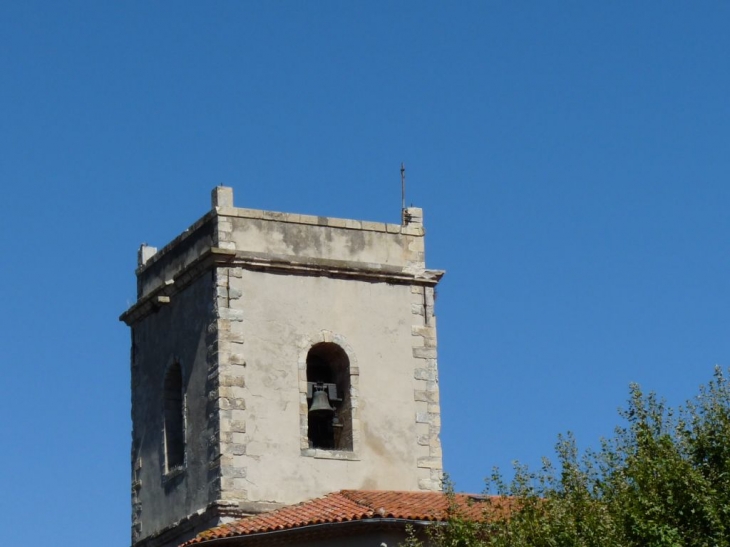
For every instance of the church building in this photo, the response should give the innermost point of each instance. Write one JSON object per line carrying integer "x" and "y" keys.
{"x": 284, "y": 382}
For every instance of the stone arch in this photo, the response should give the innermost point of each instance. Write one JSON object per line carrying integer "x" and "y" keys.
{"x": 327, "y": 361}
{"x": 173, "y": 413}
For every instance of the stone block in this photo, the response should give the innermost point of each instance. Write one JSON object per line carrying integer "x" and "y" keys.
{"x": 234, "y": 494}
{"x": 239, "y": 487}
{"x": 423, "y": 374}
{"x": 223, "y": 327}
{"x": 373, "y": 226}
{"x": 221, "y": 196}
{"x": 227, "y": 483}
{"x": 236, "y": 359}
{"x": 426, "y": 396}
{"x": 250, "y": 213}
{"x": 275, "y": 215}
{"x": 234, "y": 392}
{"x": 230, "y": 314}
{"x": 424, "y": 353}
{"x": 236, "y": 331}
{"x": 233, "y": 472}
{"x": 430, "y": 485}
{"x": 429, "y": 463}
{"x": 231, "y": 380}
{"x": 425, "y": 331}
{"x": 237, "y": 404}
{"x": 233, "y": 370}
{"x": 238, "y": 438}
{"x": 354, "y": 224}
{"x": 432, "y": 385}
{"x": 415, "y": 216}
{"x": 237, "y": 415}
{"x": 237, "y": 426}
{"x": 145, "y": 253}
{"x": 430, "y": 342}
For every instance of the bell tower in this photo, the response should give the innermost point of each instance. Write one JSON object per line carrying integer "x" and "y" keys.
{"x": 275, "y": 358}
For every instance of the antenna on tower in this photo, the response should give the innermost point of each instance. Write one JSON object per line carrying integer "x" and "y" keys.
{"x": 404, "y": 220}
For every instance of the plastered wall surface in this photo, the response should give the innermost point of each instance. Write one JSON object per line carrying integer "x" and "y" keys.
{"x": 282, "y": 318}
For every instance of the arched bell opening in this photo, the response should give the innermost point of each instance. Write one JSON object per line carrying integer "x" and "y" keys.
{"x": 329, "y": 417}
{"x": 174, "y": 419}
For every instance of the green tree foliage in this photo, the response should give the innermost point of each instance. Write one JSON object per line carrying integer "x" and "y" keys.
{"x": 663, "y": 480}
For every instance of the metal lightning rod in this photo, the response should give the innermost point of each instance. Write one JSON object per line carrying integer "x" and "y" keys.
{"x": 403, "y": 192}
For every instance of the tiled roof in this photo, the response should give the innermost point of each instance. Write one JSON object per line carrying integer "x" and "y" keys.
{"x": 346, "y": 506}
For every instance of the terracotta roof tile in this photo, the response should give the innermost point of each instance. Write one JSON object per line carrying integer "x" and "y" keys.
{"x": 349, "y": 505}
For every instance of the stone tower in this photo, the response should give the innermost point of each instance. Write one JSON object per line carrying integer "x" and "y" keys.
{"x": 275, "y": 358}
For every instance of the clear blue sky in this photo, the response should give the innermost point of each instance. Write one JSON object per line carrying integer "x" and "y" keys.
{"x": 572, "y": 159}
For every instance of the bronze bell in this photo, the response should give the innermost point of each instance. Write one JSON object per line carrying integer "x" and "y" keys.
{"x": 320, "y": 402}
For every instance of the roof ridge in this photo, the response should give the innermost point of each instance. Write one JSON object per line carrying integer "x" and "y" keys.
{"x": 360, "y": 502}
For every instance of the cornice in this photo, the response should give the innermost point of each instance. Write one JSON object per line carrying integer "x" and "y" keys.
{"x": 278, "y": 264}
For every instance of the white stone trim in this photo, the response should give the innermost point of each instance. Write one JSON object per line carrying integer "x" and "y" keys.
{"x": 426, "y": 393}
{"x": 305, "y": 344}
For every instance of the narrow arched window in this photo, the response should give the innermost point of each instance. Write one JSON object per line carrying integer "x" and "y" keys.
{"x": 174, "y": 419}
{"x": 329, "y": 420}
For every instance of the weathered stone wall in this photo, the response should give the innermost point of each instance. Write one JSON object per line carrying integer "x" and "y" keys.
{"x": 239, "y": 299}
{"x": 300, "y": 236}
{"x": 157, "y": 267}
{"x": 177, "y": 332}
